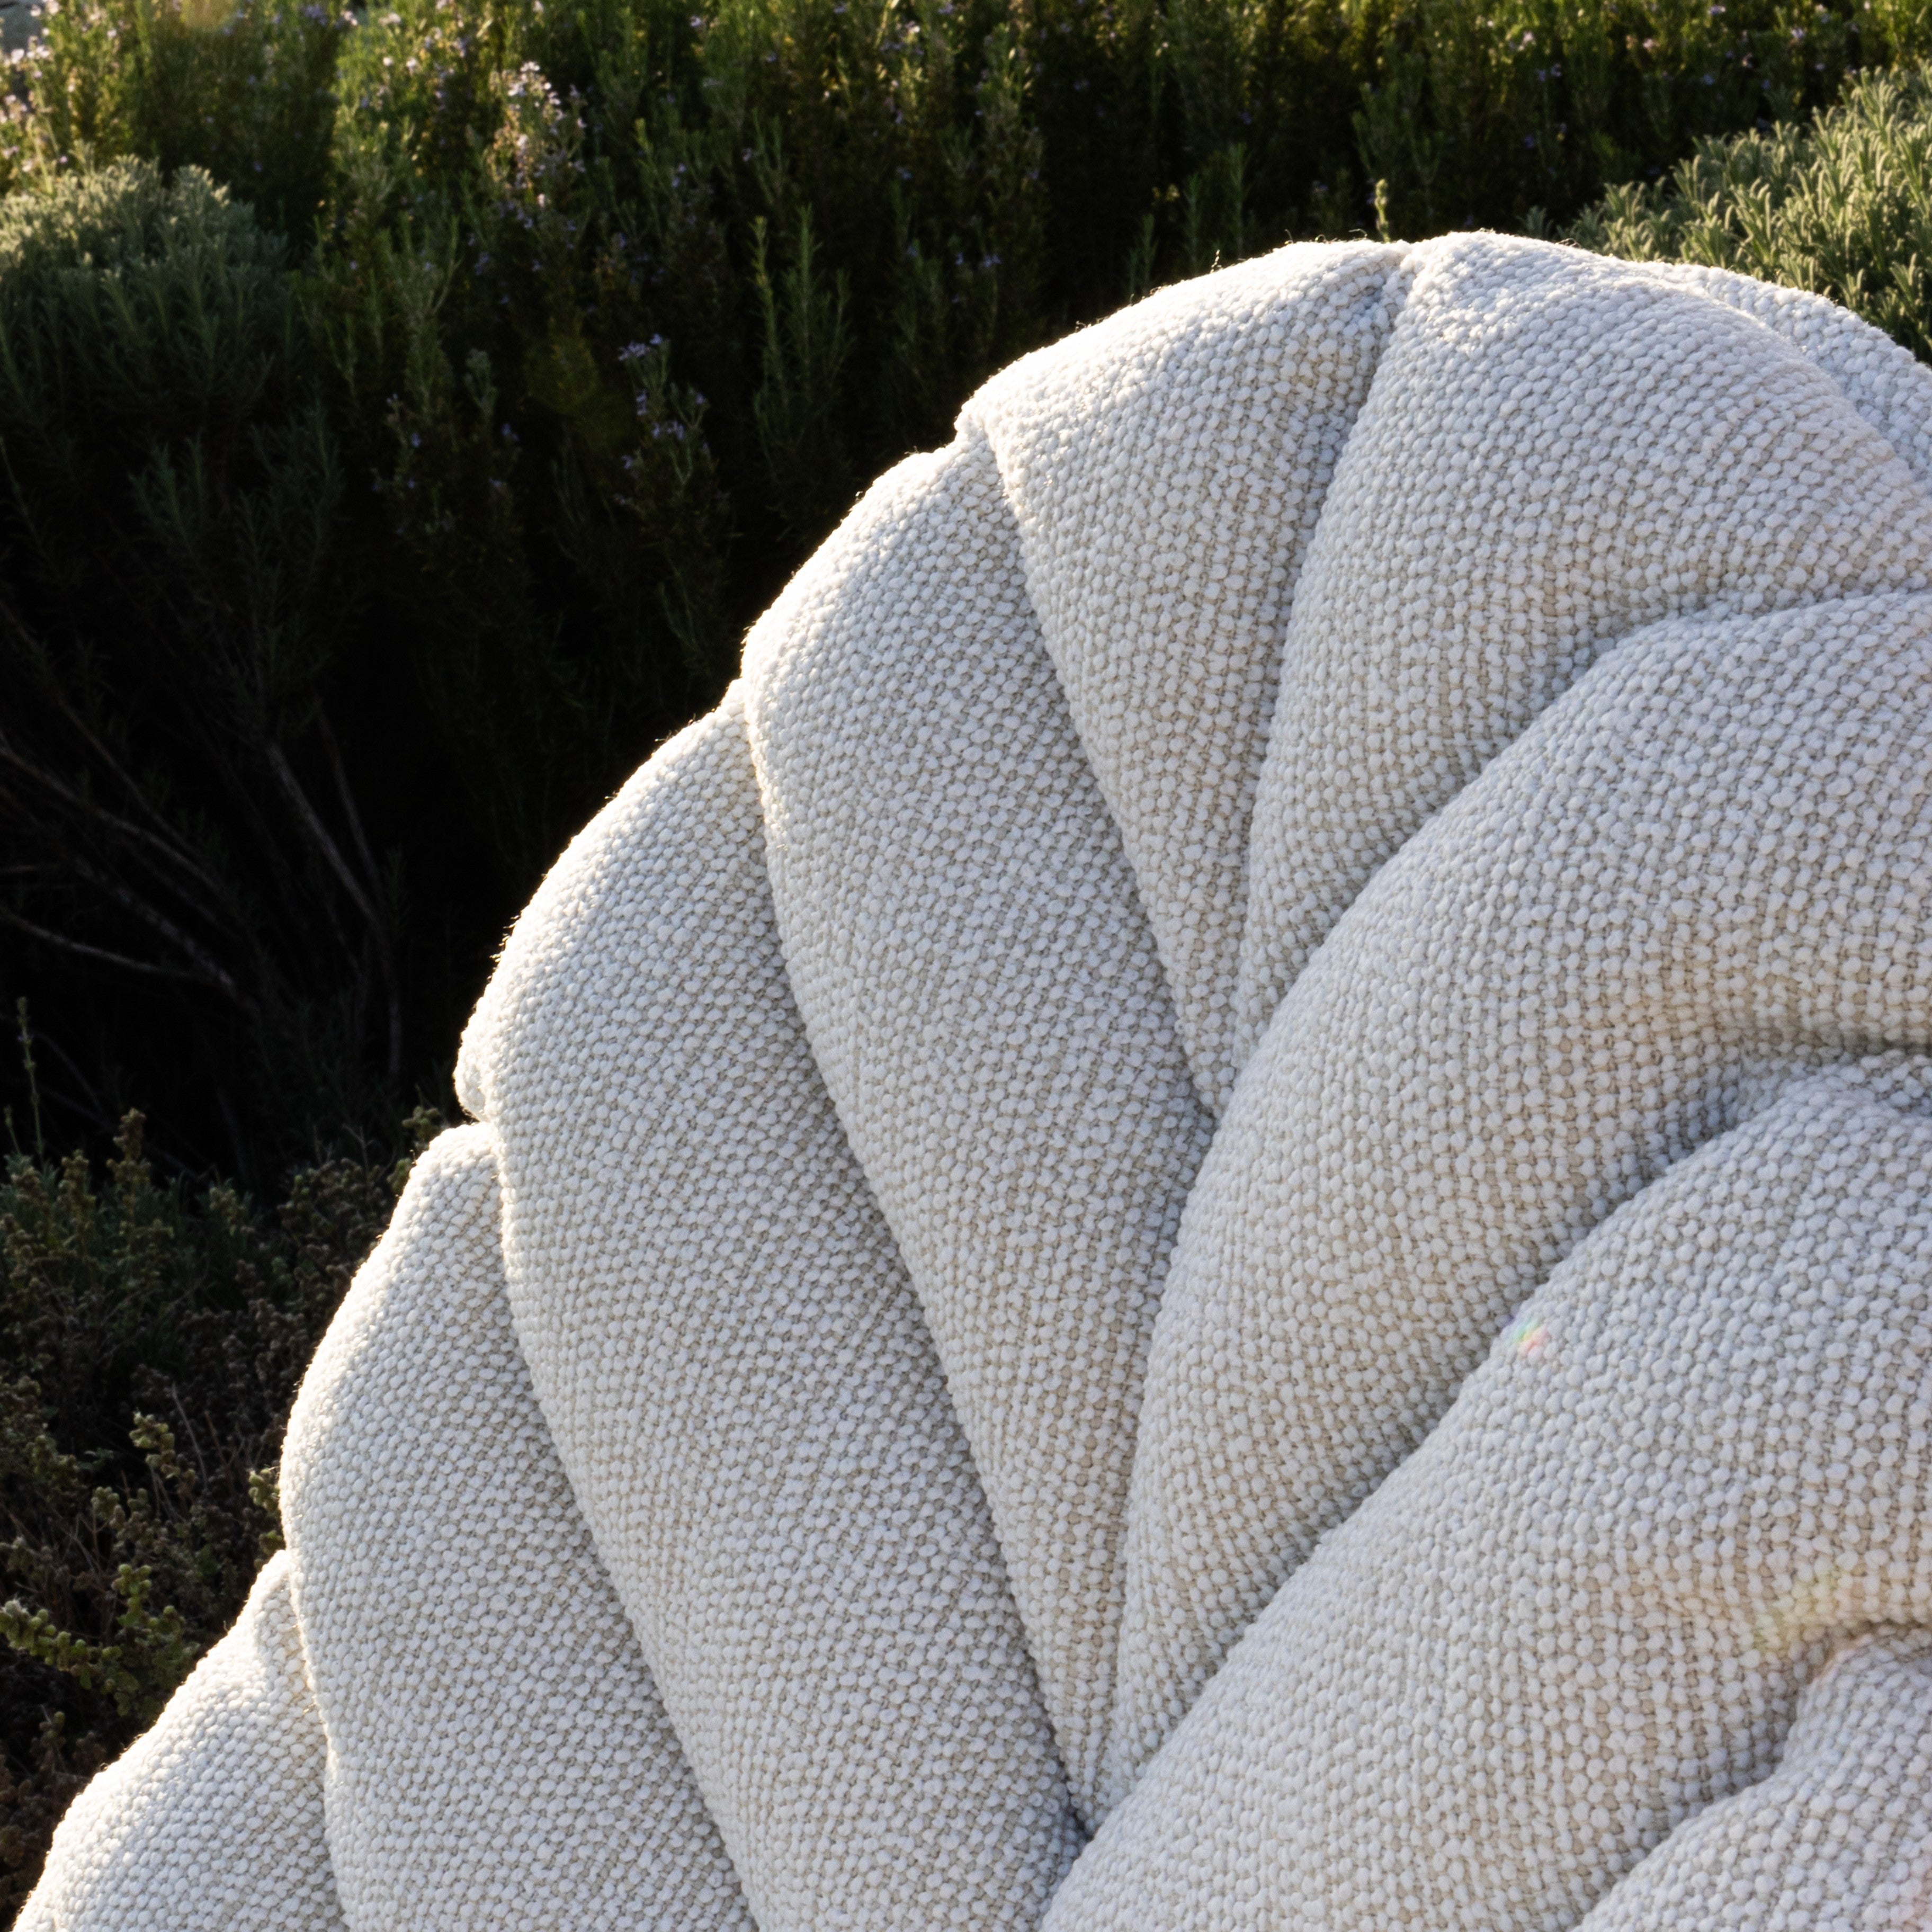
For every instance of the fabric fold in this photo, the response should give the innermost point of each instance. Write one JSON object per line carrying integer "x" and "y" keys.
{"x": 1701, "y": 872}
{"x": 734, "y": 1368}
{"x": 1556, "y": 452}
{"x": 1695, "y": 1464}
{"x": 1840, "y": 1836}
{"x": 1882, "y": 379}
{"x": 1166, "y": 469}
{"x": 984, "y": 1004}
{"x": 498, "y": 1754}
{"x": 213, "y": 1821}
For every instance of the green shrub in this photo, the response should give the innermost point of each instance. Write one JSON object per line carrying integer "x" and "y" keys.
{"x": 1842, "y": 206}
{"x": 246, "y": 92}
{"x": 176, "y": 598}
{"x": 152, "y": 1335}
{"x": 430, "y": 394}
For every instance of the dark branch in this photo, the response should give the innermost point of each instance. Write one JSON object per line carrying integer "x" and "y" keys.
{"x": 80, "y": 947}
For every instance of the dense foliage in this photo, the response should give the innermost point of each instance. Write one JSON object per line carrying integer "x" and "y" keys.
{"x": 1842, "y": 207}
{"x": 151, "y": 1337}
{"x": 403, "y": 411}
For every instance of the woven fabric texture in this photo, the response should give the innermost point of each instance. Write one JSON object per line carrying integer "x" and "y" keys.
{"x": 1219, "y": 1215}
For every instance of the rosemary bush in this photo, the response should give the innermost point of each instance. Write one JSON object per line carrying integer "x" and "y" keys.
{"x": 1842, "y": 207}
{"x": 173, "y": 808}
{"x": 151, "y": 1336}
{"x": 405, "y": 408}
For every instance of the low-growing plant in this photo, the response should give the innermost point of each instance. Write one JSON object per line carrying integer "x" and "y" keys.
{"x": 245, "y": 91}
{"x": 175, "y": 600}
{"x": 1841, "y": 205}
{"x": 152, "y": 1335}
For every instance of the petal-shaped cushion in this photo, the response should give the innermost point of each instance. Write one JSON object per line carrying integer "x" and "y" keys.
{"x": 1239, "y": 1165}
{"x": 1585, "y": 1607}
{"x": 417, "y": 1446}
{"x": 213, "y": 1821}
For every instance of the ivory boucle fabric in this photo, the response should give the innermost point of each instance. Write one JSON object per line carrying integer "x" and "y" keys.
{"x": 511, "y": 1672}
{"x": 1219, "y": 1215}
{"x": 215, "y": 1817}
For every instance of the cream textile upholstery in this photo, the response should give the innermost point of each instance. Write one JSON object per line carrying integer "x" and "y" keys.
{"x": 1219, "y": 1215}
{"x": 214, "y": 1819}
{"x": 417, "y": 1442}
{"x": 1607, "y": 1512}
